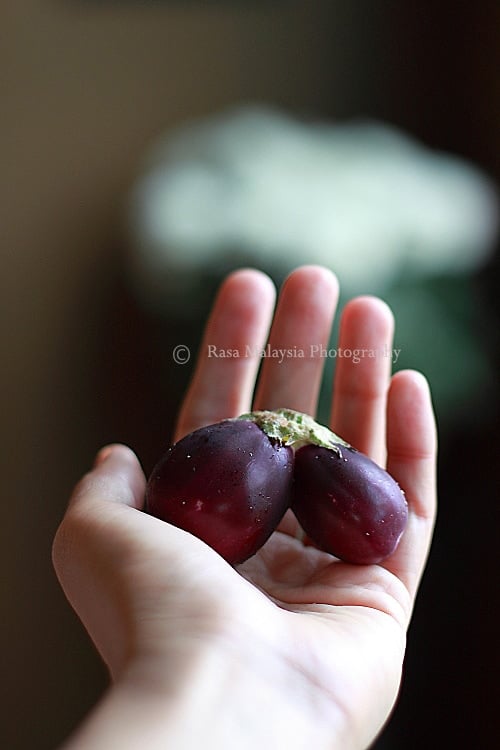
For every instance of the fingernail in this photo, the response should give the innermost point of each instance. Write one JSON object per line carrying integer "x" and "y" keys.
{"x": 103, "y": 454}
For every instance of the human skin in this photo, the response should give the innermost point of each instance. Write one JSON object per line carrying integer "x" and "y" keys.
{"x": 293, "y": 648}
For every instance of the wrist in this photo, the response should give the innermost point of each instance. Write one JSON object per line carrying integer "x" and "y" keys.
{"x": 215, "y": 694}
{"x": 235, "y": 694}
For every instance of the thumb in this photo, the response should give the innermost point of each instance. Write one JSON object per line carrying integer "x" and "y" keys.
{"x": 91, "y": 544}
{"x": 116, "y": 477}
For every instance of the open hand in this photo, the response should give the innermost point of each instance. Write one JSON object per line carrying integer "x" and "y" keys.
{"x": 318, "y": 642}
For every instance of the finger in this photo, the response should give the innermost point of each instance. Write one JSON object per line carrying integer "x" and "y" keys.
{"x": 115, "y": 477}
{"x": 291, "y": 373}
{"x": 108, "y": 493}
{"x": 222, "y": 386}
{"x": 93, "y": 545}
{"x": 412, "y": 447}
{"x": 290, "y": 526}
{"x": 362, "y": 374}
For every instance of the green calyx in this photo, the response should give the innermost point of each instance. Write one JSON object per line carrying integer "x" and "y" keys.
{"x": 295, "y": 429}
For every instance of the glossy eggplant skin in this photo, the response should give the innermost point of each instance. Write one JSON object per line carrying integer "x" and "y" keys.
{"x": 227, "y": 483}
{"x": 347, "y": 504}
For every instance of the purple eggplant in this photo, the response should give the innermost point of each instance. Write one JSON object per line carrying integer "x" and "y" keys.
{"x": 228, "y": 484}
{"x": 347, "y": 504}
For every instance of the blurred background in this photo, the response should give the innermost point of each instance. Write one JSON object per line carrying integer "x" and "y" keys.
{"x": 89, "y": 90}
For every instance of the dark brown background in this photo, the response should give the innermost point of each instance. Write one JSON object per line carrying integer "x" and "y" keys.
{"x": 85, "y": 87}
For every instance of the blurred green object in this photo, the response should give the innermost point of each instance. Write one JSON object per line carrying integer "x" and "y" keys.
{"x": 255, "y": 187}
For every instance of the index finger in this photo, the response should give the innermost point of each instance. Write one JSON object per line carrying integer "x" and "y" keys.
{"x": 228, "y": 361}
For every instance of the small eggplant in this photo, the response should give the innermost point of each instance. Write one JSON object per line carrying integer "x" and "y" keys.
{"x": 227, "y": 484}
{"x": 230, "y": 484}
{"x": 347, "y": 504}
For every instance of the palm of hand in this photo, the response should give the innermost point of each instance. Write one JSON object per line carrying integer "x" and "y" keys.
{"x": 347, "y": 645}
